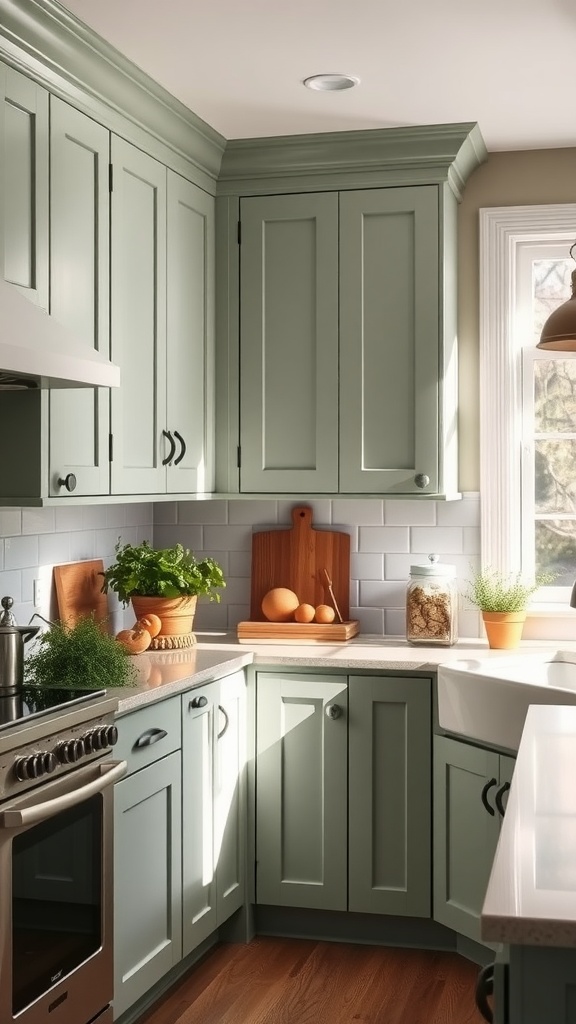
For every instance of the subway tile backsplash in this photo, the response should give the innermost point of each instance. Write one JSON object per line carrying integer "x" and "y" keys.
{"x": 386, "y": 538}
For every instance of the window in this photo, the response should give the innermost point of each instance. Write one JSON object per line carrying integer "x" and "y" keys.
{"x": 527, "y": 397}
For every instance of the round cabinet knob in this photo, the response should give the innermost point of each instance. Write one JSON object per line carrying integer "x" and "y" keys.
{"x": 333, "y": 711}
{"x": 421, "y": 480}
{"x": 198, "y": 702}
{"x": 69, "y": 482}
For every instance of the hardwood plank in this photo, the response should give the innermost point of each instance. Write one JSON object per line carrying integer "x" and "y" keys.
{"x": 302, "y": 981}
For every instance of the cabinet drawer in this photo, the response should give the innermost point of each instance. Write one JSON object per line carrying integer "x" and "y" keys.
{"x": 149, "y": 734}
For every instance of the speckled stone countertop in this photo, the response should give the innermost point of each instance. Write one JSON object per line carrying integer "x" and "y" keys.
{"x": 159, "y": 675}
{"x": 531, "y": 897}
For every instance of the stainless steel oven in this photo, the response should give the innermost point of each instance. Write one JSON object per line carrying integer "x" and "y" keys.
{"x": 56, "y": 847}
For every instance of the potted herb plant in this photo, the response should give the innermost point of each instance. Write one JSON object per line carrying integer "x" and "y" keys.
{"x": 503, "y": 600}
{"x": 166, "y": 582}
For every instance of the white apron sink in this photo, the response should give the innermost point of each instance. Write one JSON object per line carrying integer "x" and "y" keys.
{"x": 486, "y": 699}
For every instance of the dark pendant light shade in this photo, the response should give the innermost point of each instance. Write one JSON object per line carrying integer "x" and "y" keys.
{"x": 559, "y": 331}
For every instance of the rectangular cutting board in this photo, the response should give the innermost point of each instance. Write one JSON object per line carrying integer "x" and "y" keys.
{"x": 78, "y": 591}
{"x": 296, "y": 558}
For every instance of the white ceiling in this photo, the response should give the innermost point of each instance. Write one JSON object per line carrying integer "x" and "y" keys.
{"x": 239, "y": 64}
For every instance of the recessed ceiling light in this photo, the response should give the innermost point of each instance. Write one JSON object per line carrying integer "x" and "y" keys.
{"x": 331, "y": 83}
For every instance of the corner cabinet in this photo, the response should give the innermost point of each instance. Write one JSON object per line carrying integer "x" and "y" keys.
{"x": 343, "y": 808}
{"x": 337, "y": 312}
{"x": 470, "y": 786}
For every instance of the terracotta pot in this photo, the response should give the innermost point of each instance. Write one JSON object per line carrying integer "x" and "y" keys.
{"x": 504, "y": 629}
{"x": 175, "y": 613}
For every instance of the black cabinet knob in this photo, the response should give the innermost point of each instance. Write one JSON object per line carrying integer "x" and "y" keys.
{"x": 198, "y": 702}
{"x": 69, "y": 482}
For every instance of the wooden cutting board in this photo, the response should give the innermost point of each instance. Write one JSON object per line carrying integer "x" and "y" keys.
{"x": 78, "y": 591}
{"x": 297, "y": 558}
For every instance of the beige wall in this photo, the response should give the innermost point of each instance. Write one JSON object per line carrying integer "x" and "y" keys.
{"x": 506, "y": 179}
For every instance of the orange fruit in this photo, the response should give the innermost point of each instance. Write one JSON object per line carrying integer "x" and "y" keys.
{"x": 279, "y": 604}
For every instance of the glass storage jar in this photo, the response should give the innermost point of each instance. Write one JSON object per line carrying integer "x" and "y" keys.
{"x": 432, "y": 604}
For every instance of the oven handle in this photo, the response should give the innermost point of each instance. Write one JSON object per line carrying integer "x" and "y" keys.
{"x": 109, "y": 774}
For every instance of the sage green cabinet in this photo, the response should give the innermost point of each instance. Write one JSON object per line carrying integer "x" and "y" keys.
{"x": 147, "y": 852}
{"x": 79, "y": 292}
{"x": 214, "y": 802}
{"x": 345, "y": 369}
{"x": 343, "y": 792}
{"x": 162, "y": 327}
{"x": 24, "y": 185}
{"x": 470, "y": 783}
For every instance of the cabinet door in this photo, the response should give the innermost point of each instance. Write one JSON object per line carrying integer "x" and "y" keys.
{"x": 465, "y": 834}
{"x": 389, "y": 340}
{"x": 230, "y": 796}
{"x": 198, "y": 882}
{"x": 138, "y": 320}
{"x": 147, "y": 879}
{"x": 289, "y": 343}
{"x": 79, "y": 291}
{"x": 190, "y": 335}
{"x": 24, "y": 185}
{"x": 390, "y": 789}
{"x": 301, "y": 791}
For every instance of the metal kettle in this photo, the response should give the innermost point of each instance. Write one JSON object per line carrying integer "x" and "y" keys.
{"x": 12, "y": 640}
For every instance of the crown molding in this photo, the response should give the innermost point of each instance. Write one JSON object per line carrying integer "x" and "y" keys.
{"x": 47, "y": 43}
{"x": 430, "y": 154}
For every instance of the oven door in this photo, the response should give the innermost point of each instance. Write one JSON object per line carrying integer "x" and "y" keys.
{"x": 56, "y": 904}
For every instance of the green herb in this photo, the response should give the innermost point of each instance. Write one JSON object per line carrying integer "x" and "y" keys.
{"x": 80, "y": 656}
{"x": 494, "y": 591}
{"x": 166, "y": 572}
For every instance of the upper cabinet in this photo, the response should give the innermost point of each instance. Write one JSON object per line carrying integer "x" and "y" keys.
{"x": 337, "y": 312}
{"x": 162, "y": 327}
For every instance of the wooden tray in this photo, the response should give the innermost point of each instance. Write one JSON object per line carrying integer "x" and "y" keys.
{"x": 296, "y": 558}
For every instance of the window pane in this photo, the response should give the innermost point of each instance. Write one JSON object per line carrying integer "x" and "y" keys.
{"x": 556, "y": 550}
{"x": 550, "y": 288}
{"x": 555, "y": 476}
{"x": 555, "y": 396}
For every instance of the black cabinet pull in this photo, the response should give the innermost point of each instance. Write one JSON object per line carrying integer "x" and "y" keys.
{"x": 198, "y": 702}
{"x": 498, "y": 798}
{"x": 226, "y": 722}
{"x": 182, "y": 447}
{"x": 149, "y": 737}
{"x": 170, "y": 455}
{"x": 69, "y": 482}
{"x": 484, "y": 795}
{"x": 485, "y": 988}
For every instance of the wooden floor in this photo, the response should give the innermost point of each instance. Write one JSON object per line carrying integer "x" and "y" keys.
{"x": 301, "y": 981}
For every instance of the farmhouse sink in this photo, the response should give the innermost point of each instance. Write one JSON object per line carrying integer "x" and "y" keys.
{"x": 486, "y": 699}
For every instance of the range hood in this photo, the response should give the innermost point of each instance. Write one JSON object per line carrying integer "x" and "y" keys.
{"x": 37, "y": 351}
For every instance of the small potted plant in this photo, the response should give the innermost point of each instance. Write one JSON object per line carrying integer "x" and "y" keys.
{"x": 503, "y": 600}
{"x": 166, "y": 582}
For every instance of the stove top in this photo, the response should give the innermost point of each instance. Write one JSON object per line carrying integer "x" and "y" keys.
{"x": 32, "y": 702}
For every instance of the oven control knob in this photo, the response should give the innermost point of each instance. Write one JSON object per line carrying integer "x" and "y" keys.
{"x": 23, "y": 768}
{"x": 70, "y": 751}
{"x": 49, "y": 762}
{"x": 111, "y": 735}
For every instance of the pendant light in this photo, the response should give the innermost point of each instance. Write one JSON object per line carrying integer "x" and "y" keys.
{"x": 559, "y": 331}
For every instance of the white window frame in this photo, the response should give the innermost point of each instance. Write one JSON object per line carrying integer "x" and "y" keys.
{"x": 504, "y": 232}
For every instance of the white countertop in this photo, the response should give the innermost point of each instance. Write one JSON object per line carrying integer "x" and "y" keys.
{"x": 531, "y": 897}
{"x": 162, "y": 674}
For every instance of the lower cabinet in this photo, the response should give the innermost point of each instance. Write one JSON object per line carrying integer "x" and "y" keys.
{"x": 147, "y": 852}
{"x": 343, "y": 809}
{"x": 179, "y": 836}
{"x": 213, "y": 794}
{"x": 470, "y": 785}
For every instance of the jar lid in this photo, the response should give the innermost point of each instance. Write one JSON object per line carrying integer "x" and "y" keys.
{"x": 435, "y": 568}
